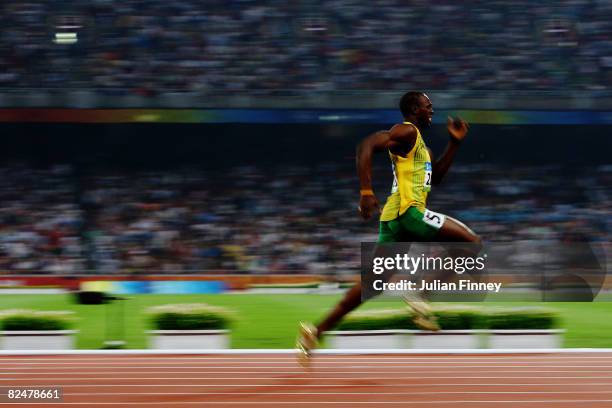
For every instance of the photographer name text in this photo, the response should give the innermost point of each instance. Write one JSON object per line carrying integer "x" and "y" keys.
{"x": 437, "y": 285}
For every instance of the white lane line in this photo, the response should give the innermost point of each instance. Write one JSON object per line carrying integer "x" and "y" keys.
{"x": 218, "y": 385}
{"x": 305, "y": 377}
{"x": 332, "y": 385}
{"x": 246, "y": 357}
{"x": 315, "y": 364}
{"x": 316, "y": 352}
{"x": 170, "y": 403}
{"x": 238, "y": 359}
{"x": 319, "y": 371}
{"x": 294, "y": 364}
{"x": 92, "y": 394}
{"x": 322, "y": 363}
{"x": 315, "y": 369}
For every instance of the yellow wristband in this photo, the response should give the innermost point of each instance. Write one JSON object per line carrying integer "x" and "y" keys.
{"x": 366, "y": 192}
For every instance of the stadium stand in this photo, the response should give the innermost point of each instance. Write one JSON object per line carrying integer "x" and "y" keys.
{"x": 267, "y": 47}
{"x": 289, "y": 219}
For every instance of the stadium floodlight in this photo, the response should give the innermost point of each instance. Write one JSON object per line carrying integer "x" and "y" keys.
{"x": 65, "y": 38}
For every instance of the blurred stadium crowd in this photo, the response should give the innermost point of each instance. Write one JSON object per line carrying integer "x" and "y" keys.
{"x": 153, "y": 46}
{"x": 265, "y": 220}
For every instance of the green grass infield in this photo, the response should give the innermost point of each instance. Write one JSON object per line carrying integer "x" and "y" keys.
{"x": 270, "y": 321}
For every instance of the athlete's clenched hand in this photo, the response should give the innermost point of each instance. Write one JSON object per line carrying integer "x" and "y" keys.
{"x": 457, "y": 128}
{"x": 368, "y": 206}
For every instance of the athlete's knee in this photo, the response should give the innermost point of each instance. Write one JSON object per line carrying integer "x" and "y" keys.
{"x": 471, "y": 236}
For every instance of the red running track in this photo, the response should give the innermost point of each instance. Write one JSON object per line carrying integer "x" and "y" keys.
{"x": 436, "y": 381}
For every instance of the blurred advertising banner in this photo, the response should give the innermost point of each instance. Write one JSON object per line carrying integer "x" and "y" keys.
{"x": 155, "y": 287}
{"x": 514, "y": 271}
{"x": 297, "y": 116}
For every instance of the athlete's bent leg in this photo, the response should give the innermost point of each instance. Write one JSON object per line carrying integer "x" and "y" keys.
{"x": 309, "y": 335}
{"x": 456, "y": 231}
{"x": 352, "y": 298}
{"x": 350, "y": 301}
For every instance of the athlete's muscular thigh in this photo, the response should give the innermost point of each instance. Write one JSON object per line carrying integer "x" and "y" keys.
{"x": 456, "y": 231}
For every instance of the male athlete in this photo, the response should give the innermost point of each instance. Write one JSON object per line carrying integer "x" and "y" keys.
{"x": 404, "y": 217}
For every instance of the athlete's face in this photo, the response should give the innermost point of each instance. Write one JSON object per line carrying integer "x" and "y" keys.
{"x": 424, "y": 112}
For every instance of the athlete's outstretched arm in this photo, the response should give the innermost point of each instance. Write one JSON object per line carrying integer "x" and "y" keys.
{"x": 365, "y": 150}
{"x": 457, "y": 129}
{"x": 399, "y": 139}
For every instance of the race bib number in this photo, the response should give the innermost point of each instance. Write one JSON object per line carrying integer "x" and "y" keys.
{"x": 427, "y": 180}
{"x": 394, "y": 187}
{"x": 434, "y": 219}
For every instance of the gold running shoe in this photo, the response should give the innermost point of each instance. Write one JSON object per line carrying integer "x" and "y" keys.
{"x": 423, "y": 316}
{"x": 307, "y": 341}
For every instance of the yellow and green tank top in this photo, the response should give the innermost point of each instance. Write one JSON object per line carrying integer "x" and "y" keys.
{"x": 411, "y": 180}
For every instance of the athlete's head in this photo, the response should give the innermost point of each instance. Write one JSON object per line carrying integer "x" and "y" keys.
{"x": 417, "y": 108}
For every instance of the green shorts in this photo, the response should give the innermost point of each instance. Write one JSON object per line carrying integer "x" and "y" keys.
{"x": 411, "y": 226}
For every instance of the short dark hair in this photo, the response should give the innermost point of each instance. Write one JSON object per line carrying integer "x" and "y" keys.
{"x": 409, "y": 101}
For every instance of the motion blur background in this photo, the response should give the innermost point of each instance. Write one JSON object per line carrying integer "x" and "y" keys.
{"x": 194, "y": 141}
{"x": 209, "y": 137}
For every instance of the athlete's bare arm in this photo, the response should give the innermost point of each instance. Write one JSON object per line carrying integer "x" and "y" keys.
{"x": 399, "y": 140}
{"x": 457, "y": 129}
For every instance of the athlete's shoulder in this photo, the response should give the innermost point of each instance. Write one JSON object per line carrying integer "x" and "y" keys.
{"x": 403, "y": 134}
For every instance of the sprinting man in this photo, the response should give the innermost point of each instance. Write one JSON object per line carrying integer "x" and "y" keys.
{"x": 404, "y": 217}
